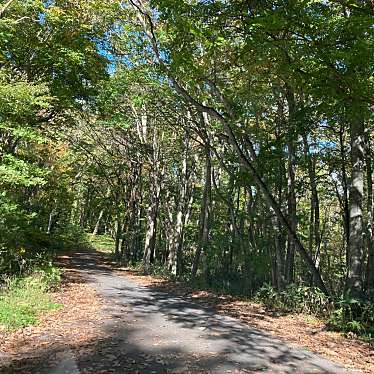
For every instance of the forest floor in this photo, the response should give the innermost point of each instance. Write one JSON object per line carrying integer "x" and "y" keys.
{"x": 117, "y": 321}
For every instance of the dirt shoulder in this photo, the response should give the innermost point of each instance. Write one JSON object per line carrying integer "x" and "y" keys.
{"x": 78, "y": 324}
{"x": 72, "y": 326}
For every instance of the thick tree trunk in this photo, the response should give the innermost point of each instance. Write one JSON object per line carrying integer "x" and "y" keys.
{"x": 354, "y": 286}
{"x": 370, "y": 238}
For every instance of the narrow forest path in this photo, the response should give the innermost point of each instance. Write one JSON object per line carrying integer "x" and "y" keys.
{"x": 158, "y": 332}
{"x": 153, "y": 331}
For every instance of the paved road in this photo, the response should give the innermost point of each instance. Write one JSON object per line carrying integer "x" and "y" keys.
{"x": 155, "y": 332}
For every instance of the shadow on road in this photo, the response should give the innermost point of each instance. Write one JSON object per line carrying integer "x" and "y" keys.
{"x": 148, "y": 330}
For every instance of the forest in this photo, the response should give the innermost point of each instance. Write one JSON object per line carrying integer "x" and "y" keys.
{"x": 227, "y": 144}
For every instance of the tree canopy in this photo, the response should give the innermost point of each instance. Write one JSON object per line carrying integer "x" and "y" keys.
{"x": 227, "y": 142}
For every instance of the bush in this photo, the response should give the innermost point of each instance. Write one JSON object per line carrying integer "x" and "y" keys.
{"x": 295, "y": 298}
{"x": 347, "y": 315}
{"x": 21, "y": 260}
{"x": 36, "y": 249}
{"x": 269, "y": 297}
{"x": 352, "y": 315}
{"x": 70, "y": 237}
{"x": 23, "y": 299}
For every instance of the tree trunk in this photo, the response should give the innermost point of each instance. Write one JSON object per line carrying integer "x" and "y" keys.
{"x": 345, "y": 189}
{"x": 177, "y": 225}
{"x": 354, "y": 284}
{"x": 291, "y": 206}
{"x": 117, "y": 237}
{"x": 50, "y": 222}
{"x": 314, "y": 219}
{"x": 150, "y": 237}
{"x": 370, "y": 238}
{"x": 291, "y": 195}
{"x": 205, "y": 213}
{"x": 97, "y": 226}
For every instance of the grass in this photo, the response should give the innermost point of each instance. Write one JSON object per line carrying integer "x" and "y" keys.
{"x": 23, "y": 300}
{"x": 312, "y": 320}
{"x": 102, "y": 243}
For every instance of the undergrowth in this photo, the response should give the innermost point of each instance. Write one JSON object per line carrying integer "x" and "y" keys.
{"x": 24, "y": 299}
{"x": 345, "y": 314}
{"x": 102, "y": 243}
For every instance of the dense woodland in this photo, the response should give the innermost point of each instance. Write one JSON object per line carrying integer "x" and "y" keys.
{"x": 226, "y": 142}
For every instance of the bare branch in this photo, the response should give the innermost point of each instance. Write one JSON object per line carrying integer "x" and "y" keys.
{"x": 5, "y": 7}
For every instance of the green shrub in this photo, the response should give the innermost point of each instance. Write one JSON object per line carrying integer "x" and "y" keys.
{"x": 23, "y": 299}
{"x": 295, "y": 298}
{"x": 347, "y": 315}
{"x": 23, "y": 260}
{"x": 269, "y": 296}
{"x": 34, "y": 248}
{"x": 70, "y": 237}
{"x": 352, "y": 315}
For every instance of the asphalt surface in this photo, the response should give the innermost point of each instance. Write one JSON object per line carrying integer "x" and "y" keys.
{"x": 150, "y": 331}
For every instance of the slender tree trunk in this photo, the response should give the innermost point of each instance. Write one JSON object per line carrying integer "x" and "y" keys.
{"x": 98, "y": 222}
{"x": 150, "y": 237}
{"x": 177, "y": 225}
{"x": 280, "y": 245}
{"x": 74, "y": 210}
{"x": 117, "y": 236}
{"x": 291, "y": 203}
{"x": 314, "y": 220}
{"x": 176, "y": 234}
{"x": 291, "y": 195}
{"x": 155, "y": 176}
{"x": 152, "y": 218}
{"x": 50, "y": 222}
{"x": 205, "y": 213}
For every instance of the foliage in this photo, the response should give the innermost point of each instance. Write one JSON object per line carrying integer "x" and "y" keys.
{"x": 102, "y": 243}
{"x": 208, "y": 139}
{"x": 355, "y": 316}
{"x": 24, "y": 299}
{"x": 70, "y": 237}
{"x": 295, "y": 298}
{"x": 348, "y": 315}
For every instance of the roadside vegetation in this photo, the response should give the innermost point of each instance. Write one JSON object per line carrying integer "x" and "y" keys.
{"x": 228, "y": 144}
{"x": 23, "y": 298}
{"x": 345, "y": 315}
